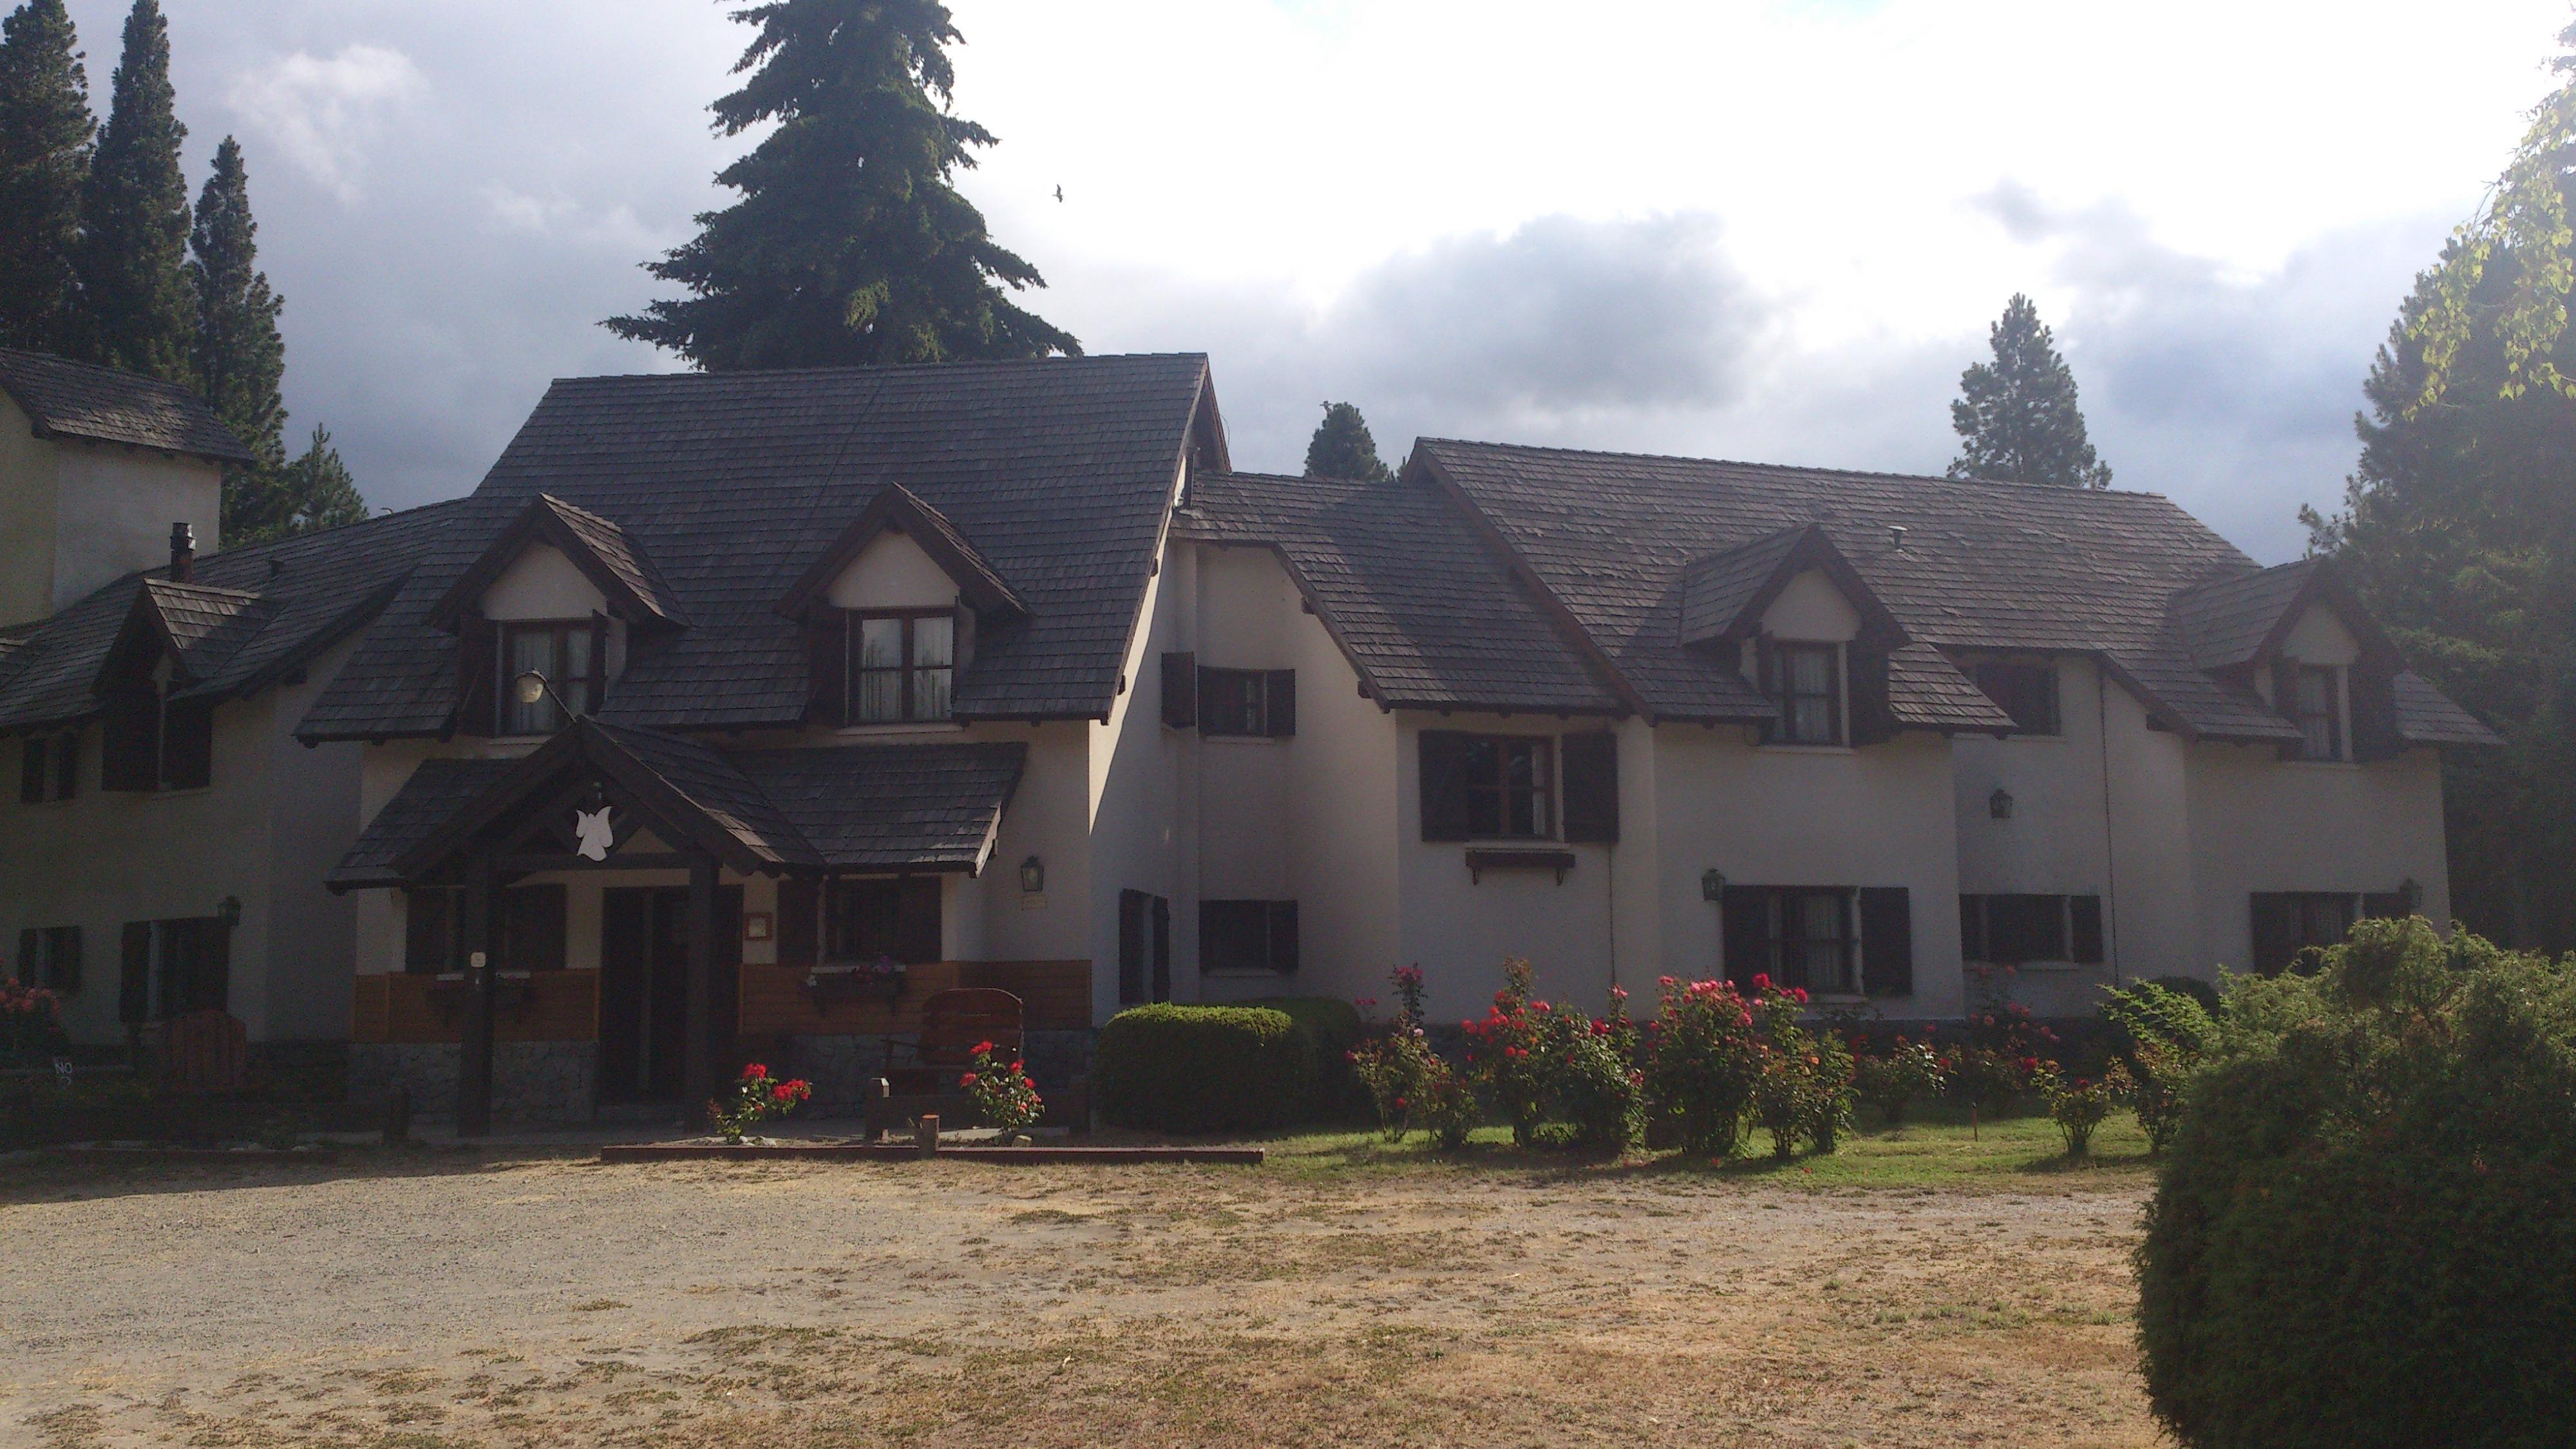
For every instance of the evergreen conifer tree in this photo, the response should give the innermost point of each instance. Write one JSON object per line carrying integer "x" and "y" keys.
{"x": 2017, "y": 415}
{"x": 313, "y": 492}
{"x": 848, "y": 245}
{"x": 240, "y": 359}
{"x": 137, "y": 312}
{"x": 1342, "y": 447}
{"x": 45, "y": 132}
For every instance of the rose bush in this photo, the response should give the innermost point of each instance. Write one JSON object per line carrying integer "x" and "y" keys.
{"x": 1701, "y": 1063}
{"x": 755, "y": 1098}
{"x": 31, "y": 1026}
{"x": 1004, "y": 1097}
{"x": 1911, "y": 1071}
{"x": 2080, "y": 1105}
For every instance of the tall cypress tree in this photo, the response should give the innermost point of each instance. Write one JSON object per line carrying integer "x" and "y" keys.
{"x": 848, "y": 245}
{"x": 2017, "y": 415}
{"x": 133, "y": 253}
{"x": 239, "y": 358}
{"x": 1342, "y": 447}
{"x": 45, "y": 132}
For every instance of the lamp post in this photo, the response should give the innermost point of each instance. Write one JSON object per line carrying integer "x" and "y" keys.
{"x": 532, "y": 685}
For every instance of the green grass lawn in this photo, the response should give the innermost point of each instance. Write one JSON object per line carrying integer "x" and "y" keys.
{"x": 1936, "y": 1148}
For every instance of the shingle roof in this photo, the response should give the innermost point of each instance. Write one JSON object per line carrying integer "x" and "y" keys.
{"x": 1981, "y": 566}
{"x": 1926, "y": 691}
{"x": 1425, "y": 613}
{"x": 248, "y": 615}
{"x": 596, "y": 546}
{"x": 2224, "y": 622}
{"x": 851, "y": 807}
{"x": 898, "y": 507}
{"x": 1717, "y": 589}
{"x": 67, "y": 399}
{"x": 1058, "y": 471}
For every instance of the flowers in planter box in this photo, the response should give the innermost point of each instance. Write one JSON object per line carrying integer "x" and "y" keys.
{"x": 755, "y": 1098}
{"x": 1002, "y": 1093}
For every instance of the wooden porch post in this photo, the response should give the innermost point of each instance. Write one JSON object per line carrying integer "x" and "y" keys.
{"x": 474, "y": 1077}
{"x": 698, "y": 1065}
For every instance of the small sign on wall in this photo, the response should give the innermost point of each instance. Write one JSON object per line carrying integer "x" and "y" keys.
{"x": 757, "y": 925}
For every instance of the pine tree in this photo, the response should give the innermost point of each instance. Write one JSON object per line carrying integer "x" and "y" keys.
{"x": 133, "y": 253}
{"x": 45, "y": 132}
{"x": 313, "y": 492}
{"x": 1342, "y": 447}
{"x": 240, "y": 359}
{"x": 2017, "y": 414}
{"x": 848, "y": 245}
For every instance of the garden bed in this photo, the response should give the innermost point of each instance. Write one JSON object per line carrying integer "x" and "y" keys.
{"x": 892, "y": 1151}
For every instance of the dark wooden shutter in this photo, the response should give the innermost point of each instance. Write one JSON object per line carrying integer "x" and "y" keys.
{"x": 1747, "y": 930}
{"x": 1972, "y": 928}
{"x": 210, "y": 986}
{"x": 2275, "y": 931}
{"x": 2373, "y": 687}
{"x": 188, "y": 744}
{"x": 1592, "y": 788}
{"x": 478, "y": 657}
{"x": 1283, "y": 936}
{"x": 796, "y": 919}
{"x": 595, "y": 687}
{"x": 67, "y": 762}
{"x": 2385, "y": 906}
{"x": 1887, "y": 940}
{"x": 1131, "y": 947}
{"x": 63, "y": 966}
{"x": 134, "y": 974}
{"x": 130, "y": 739}
{"x": 827, "y": 665}
{"x": 533, "y": 934}
{"x": 1873, "y": 717}
{"x": 1181, "y": 690}
{"x": 32, "y": 773}
{"x": 31, "y": 955}
{"x": 1444, "y": 784}
{"x": 2084, "y": 930}
{"x": 1162, "y": 913}
{"x": 916, "y": 920}
{"x": 1282, "y": 712}
{"x": 1766, "y": 678}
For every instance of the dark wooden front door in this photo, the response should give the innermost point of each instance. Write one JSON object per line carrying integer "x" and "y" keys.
{"x": 644, "y": 988}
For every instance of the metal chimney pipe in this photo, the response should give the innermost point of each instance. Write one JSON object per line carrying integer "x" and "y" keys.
{"x": 183, "y": 551}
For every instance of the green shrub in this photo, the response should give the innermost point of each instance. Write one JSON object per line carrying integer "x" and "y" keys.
{"x": 2171, "y": 1035}
{"x": 1178, "y": 1068}
{"x": 1333, "y": 1026}
{"x": 2365, "y": 1230}
{"x": 1911, "y": 1071}
{"x": 2198, "y": 990}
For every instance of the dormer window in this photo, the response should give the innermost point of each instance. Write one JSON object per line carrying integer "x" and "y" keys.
{"x": 902, "y": 665}
{"x": 568, "y": 653}
{"x": 1806, "y": 682}
{"x": 2317, "y": 705}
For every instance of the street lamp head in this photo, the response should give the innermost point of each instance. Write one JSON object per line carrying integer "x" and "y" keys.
{"x": 529, "y": 687}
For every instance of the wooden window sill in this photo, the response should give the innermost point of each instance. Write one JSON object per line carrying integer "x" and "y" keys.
{"x": 1481, "y": 859}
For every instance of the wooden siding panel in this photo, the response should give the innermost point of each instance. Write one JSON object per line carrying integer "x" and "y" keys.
{"x": 562, "y": 1006}
{"x": 1056, "y": 996}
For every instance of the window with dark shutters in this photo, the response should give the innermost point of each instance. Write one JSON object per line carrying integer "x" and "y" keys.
{"x": 1181, "y": 690}
{"x": 1131, "y": 947}
{"x": 1887, "y": 940}
{"x": 827, "y": 655}
{"x": 2288, "y": 922}
{"x": 431, "y": 941}
{"x": 2373, "y": 687}
{"x": 1972, "y": 928}
{"x": 866, "y": 919}
{"x": 67, "y": 763}
{"x": 134, "y": 973}
{"x": 1873, "y": 714}
{"x": 2386, "y": 906}
{"x": 1160, "y": 912}
{"x": 917, "y": 932}
{"x": 1747, "y": 932}
{"x": 63, "y": 958}
{"x": 1443, "y": 762}
{"x": 799, "y": 899}
{"x": 1250, "y": 936}
{"x": 31, "y": 955}
{"x": 130, "y": 738}
{"x": 1592, "y": 788}
{"x": 34, "y": 776}
{"x": 1282, "y": 688}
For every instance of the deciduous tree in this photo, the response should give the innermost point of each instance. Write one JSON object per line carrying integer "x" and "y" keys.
{"x": 849, "y": 245}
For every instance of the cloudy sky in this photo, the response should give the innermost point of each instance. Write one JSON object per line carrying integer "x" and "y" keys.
{"x": 1768, "y": 231}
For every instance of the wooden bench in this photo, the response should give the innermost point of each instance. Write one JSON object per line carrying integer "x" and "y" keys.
{"x": 953, "y": 1023}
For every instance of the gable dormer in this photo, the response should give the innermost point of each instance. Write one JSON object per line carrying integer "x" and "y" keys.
{"x": 560, "y": 592}
{"x": 891, "y": 611}
{"x": 2295, "y": 636}
{"x": 157, "y": 727}
{"x": 1790, "y": 612}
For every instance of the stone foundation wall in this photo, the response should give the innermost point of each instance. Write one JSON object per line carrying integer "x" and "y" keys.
{"x": 537, "y": 1083}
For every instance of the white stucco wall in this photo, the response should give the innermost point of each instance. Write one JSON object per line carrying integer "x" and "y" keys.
{"x": 1810, "y": 608}
{"x": 542, "y": 584}
{"x": 114, "y": 507}
{"x": 892, "y": 573}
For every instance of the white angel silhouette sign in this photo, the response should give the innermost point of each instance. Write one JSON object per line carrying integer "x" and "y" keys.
{"x": 590, "y": 828}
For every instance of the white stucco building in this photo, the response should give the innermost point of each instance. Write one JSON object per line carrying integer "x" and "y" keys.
{"x": 856, "y": 684}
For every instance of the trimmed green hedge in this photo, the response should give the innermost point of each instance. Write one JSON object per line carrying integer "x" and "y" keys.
{"x": 1175, "y": 1068}
{"x": 2365, "y": 1230}
{"x": 1334, "y": 1026}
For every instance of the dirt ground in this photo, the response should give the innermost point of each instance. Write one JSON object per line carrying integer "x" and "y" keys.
{"x": 426, "y": 1298}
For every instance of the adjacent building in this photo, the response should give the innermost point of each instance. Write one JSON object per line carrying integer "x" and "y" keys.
{"x": 738, "y": 713}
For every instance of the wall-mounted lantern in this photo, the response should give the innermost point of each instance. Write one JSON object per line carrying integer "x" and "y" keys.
{"x": 1033, "y": 877}
{"x": 1712, "y": 884}
{"x": 229, "y": 911}
{"x": 2000, "y": 804}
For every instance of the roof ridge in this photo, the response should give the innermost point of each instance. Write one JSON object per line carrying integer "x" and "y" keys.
{"x": 1813, "y": 470}
{"x": 880, "y": 369}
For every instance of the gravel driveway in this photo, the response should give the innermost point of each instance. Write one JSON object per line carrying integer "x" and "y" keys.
{"x": 428, "y": 1298}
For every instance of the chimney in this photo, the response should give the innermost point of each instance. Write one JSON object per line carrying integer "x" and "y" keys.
{"x": 183, "y": 551}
